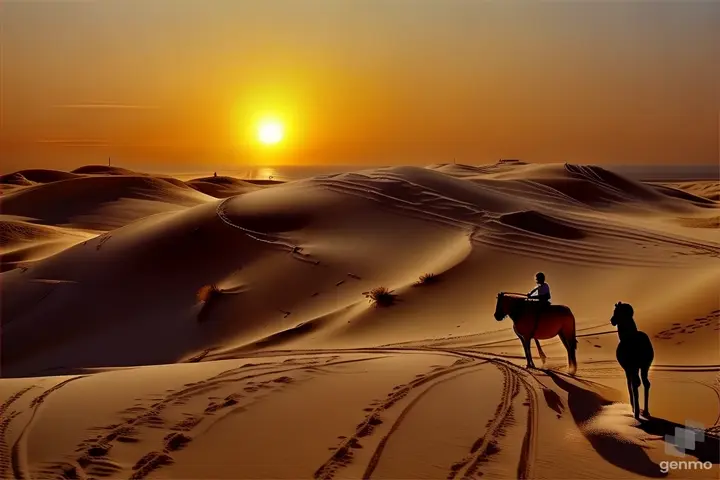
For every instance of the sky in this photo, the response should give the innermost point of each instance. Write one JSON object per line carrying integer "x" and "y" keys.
{"x": 184, "y": 82}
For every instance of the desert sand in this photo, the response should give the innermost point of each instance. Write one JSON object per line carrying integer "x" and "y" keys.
{"x": 219, "y": 328}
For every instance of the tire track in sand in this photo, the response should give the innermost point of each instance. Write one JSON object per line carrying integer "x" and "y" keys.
{"x": 527, "y": 456}
{"x": 377, "y": 455}
{"x": 18, "y": 455}
{"x": 343, "y": 455}
{"x": 486, "y": 445}
{"x": 523, "y": 375}
{"x": 519, "y": 374}
{"x": 94, "y": 453}
{"x": 5, "y": 454}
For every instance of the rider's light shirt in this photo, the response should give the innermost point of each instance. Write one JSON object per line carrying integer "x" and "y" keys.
{"x": 543, "y": 289}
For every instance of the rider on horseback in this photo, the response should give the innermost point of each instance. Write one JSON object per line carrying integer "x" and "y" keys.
{"x": 541, "y": 296}
{"x": 542, "y": 291}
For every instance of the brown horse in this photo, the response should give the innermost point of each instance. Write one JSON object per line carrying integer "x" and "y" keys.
{"x": 553, "y": 320}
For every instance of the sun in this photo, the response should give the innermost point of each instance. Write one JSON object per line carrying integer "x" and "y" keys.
{"x": 270, "y": 132}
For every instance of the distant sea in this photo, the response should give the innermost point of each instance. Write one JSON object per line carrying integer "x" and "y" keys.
{"x": 295, "y": 172}
{"x": 285, "y": 173}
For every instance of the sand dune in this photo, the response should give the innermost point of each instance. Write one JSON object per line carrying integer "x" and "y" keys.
{"x": 99, "y": 202}
{"x": 198, "y": 310}
{"x": 705, "y": 189}
{"x": 222, "y": 187}
{"x": 22, "y": 242}
{"x": 30, "y": 177}
{"x": 104, "y": 170}
{"x": 15, "y": 179}
{"x": 587, "y": 185}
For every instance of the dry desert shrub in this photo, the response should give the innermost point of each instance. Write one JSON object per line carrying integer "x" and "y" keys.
{"x": 208, "y": 292}
{"x": 428, "y": 279}
{"x": 380, "y": 296}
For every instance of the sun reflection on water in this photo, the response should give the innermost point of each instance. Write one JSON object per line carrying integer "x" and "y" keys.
{"x": 265, "y": 173}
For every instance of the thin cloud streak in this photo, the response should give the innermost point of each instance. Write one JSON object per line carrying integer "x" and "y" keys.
{"x": 107, "y": 106}
{"x": 75, "y": 142}
{"x": 90, "y": 142}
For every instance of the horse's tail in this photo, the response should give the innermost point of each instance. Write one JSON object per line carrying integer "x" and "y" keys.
{"x": 574, "y": 337}
{"x": 572, "y": 343}
{"x": 572, "y": 332}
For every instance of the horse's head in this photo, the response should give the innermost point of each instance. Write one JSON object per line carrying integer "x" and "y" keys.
{"x": 622, "y": 311}
{"x": 501, "y": 309}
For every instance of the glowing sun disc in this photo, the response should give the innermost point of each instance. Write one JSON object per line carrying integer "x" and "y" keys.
{"x": 270, "y": 132}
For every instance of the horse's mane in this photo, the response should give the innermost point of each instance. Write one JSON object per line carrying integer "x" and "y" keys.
{"x": 627, "y": 324}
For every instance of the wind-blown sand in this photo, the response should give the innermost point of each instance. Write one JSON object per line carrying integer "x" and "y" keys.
{"x": 121, "y": 361}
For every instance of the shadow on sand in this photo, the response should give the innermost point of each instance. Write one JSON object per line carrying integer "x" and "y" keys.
{"x": 584, "y": 404}
{"x": 708, "y": 450}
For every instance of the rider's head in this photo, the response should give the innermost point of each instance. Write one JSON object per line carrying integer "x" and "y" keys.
{"x": 540, "y": 277}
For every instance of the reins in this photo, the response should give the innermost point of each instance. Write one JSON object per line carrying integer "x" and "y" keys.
{"x": 515, "y": 293}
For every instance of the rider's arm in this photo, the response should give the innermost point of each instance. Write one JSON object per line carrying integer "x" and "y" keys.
{"x": 532, "y": 291}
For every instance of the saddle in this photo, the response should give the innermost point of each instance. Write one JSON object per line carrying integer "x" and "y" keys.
{"x": 537, "y": 306}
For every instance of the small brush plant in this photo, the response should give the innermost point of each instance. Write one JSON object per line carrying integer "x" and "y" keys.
{"x": 208, "y": 292}
{"x": 428, "y": 279}
{"x": 380, "y": 297}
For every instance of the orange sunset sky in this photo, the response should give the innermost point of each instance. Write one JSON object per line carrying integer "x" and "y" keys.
{"x": 183, "y": 82}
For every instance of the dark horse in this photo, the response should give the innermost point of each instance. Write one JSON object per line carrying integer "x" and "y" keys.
{"x": 634, "y": 354}
{"x": 553, "y": 320}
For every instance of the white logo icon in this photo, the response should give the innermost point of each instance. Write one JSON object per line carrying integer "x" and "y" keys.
{"x": 684, "y": 439}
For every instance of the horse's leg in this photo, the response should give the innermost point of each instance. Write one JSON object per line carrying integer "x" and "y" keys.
{"x": 635, "y": 380}
{"x": 572, "y": 366}
{"x": 540, "y": 351}
{"x": 567, "y": 335}
{"x": 646, "y": 384}
{"x": 630, "y": 389}
{"x": 528, "y": 353}
{"x": 572, "y": 345}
